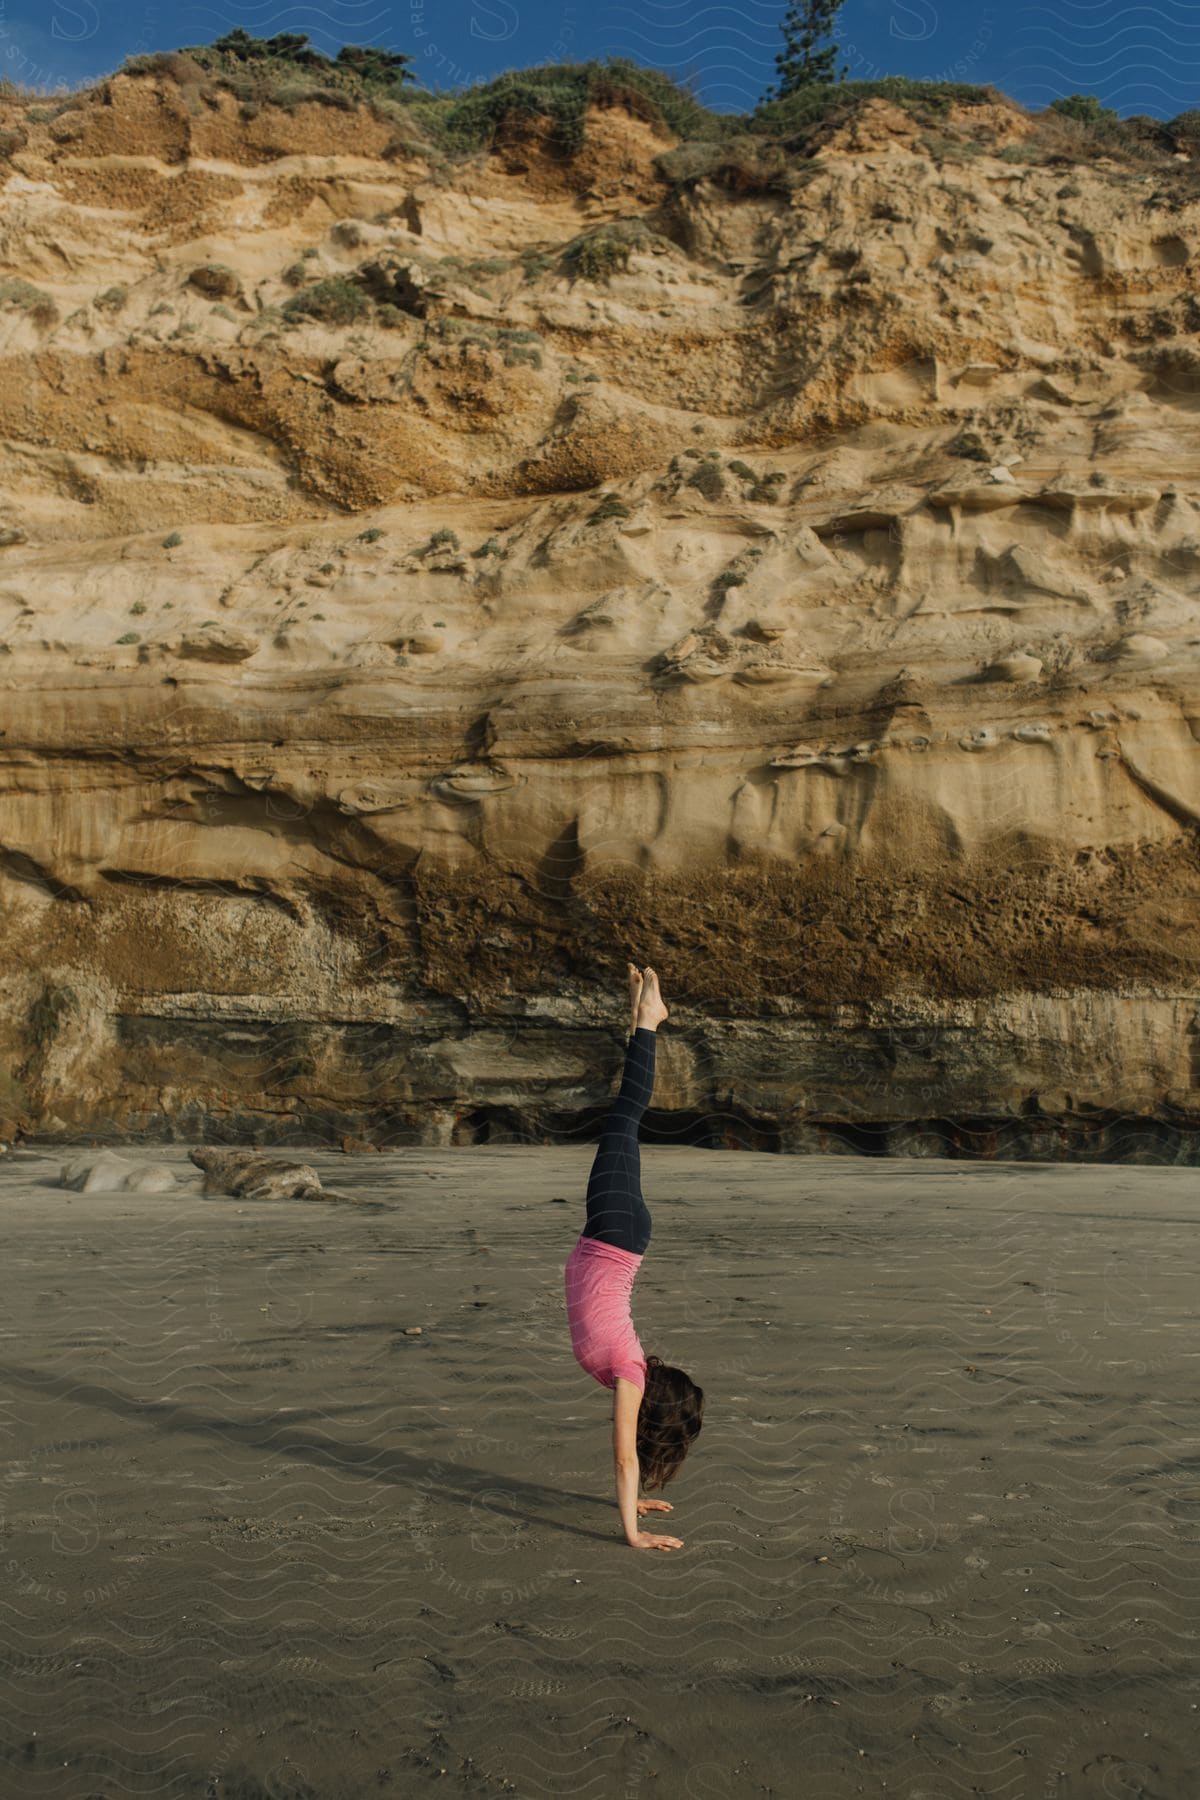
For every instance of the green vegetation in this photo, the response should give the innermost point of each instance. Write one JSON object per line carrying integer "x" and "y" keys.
{"x": 45, "y": 1015}
{"x": 601, "y": 256}
{"x": 371, "y": 535}
{"x": 21, "y": 296}
{"x": 970, "y": 445}
{"x": 597, "y": 255}
{"x": 940, "y": 148}
{"x": 609, "y": 508}
{"x": 562, "y": 93}
{"x": 795, "y": 115}
{"x": 335, "y": 301}
{"x": 1016, "y": 153}
{"x": 768, "y": 147}
{"x": 283, "y": 70}
{"x": 517, "y": 345}
{"x": 800, "y": 63}
{"x": 706, "y": 477}
{"x": 130, "y": 637}
{"x": 737, "y": 573}
{"x": 763, "y": 488}
{"x": 445, "y": 539}
{"x": 1084, "y": 107}
{"x": 520, "y": 346}
{"x": 535, "y": 263}
{"x": 139, "y": 606}
{"x": 475, "y": 272}
{"x": 702, "y": 470}
{"x": 493, "y": 547}
{"x": 175, "y": 538}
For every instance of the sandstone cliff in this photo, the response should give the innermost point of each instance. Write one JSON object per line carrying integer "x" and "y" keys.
{"x": 427, "y": 582}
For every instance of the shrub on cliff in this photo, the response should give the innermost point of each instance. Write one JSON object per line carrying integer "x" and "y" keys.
{"x": 289, "y": 51}
{"x": 19, "y": 295}
{"x": 970, "y": 445}
{"x": 599, "y": 257}
{"x": 283, "y": 70}
{"x": 797, "y": 113}
{"x": 334, "y": 301}
{"x": 1184, "y": 130}
{"x": 1085, "y": 107}
{"x": 562, "y": 93}
{"x": 598, "y": 254}
{"x": 1063, "y": 135}
{"x": 610, "y": 507}
{"x": 763, "y": 149}
{"x": 707, "y": 478}
{"x": 743, "y": 163}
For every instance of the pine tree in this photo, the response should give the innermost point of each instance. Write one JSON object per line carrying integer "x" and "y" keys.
{"x": 799, "y": 63}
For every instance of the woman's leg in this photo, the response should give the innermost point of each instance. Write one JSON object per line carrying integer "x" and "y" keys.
{"x": 616, "y": 1211}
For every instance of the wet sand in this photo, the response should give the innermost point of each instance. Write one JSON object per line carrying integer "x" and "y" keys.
{"x": 942, "y": 1526}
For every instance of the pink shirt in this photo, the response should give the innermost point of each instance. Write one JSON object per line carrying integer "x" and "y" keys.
{"x": 598, "y": 1279}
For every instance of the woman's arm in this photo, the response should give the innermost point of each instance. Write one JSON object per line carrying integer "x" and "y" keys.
{"x": 626, "y": 1402}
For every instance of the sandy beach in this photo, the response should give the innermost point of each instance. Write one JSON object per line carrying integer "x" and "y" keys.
{"x": 263, "y": 1539}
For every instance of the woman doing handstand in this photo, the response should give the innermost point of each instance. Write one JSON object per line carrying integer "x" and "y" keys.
{"x": 657, "y": 1409}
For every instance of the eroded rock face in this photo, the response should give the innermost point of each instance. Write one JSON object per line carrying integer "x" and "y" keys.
{"x": 811, "y": 607}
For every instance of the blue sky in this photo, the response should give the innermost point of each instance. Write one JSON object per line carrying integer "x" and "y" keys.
{"x": 1138, "y": 59}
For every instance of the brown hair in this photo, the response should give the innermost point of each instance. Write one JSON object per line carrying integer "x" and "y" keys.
{"x": 669, "y": 1420}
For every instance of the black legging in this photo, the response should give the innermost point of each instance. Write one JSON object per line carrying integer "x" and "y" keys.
{"x": 616, "y": 1212}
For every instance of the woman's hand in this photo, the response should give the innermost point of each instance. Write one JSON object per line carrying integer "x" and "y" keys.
{"x": 645, "y": 1506}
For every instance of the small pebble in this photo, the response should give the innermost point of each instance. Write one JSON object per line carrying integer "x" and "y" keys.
{"x": 412, "y": 1331}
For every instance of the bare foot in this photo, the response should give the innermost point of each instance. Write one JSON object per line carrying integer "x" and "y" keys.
{"x": 635, "y": 994}
{"x": 651, "y": 1012}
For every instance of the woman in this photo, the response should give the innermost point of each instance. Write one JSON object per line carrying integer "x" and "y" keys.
{"x": 657, "y": 1409}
